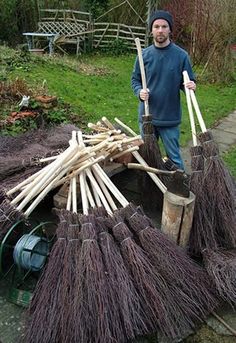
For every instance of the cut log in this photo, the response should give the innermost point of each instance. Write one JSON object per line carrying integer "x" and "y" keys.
{"x": 177, "y": 217}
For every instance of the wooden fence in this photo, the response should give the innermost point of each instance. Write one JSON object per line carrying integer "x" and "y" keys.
{"x": 106, "y": 33}
{"x": 75, "y": 27}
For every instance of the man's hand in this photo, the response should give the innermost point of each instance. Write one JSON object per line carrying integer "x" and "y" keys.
{"x": 191, "y": 85}
{"x": 144, "y": 94}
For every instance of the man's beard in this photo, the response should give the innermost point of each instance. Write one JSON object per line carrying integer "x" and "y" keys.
{"x": 161, "y": 39}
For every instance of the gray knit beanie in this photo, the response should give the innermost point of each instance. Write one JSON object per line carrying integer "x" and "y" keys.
{"x": 161, "y": 15}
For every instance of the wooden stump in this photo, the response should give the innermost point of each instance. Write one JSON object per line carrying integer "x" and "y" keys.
{"x": 177, "y": 217}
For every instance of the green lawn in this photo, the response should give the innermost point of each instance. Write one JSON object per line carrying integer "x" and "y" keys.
{"x": 100, "y": 85}
{"x": 230, "y": 160}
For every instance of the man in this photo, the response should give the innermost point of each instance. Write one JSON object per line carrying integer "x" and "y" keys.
{"x": 164, "y": 63}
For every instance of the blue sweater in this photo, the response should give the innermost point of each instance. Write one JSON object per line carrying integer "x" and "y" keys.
{"x": 163, "y": 69}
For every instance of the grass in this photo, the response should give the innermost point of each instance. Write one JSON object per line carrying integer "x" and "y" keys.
{"x": 100, "y": 85}
{"x": 230, "y": 160}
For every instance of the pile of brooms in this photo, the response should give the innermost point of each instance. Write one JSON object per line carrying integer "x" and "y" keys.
{"x": 213, "y": 234}
{"x": 111, "y": 275}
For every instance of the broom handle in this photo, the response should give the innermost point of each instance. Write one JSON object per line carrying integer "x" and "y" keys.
{"x": 89, "y": 195}
{"x": 74, "y": 179}
{"x": 101, "y": 135}
{"x": 101, "y": 128}
{"x": 59, "y": 166}
{"x": 40, "y": 173}
{"x": 68, "y": 204}
{"x": 32, "y": 189}
{"x": 132, "y": 139}
{"x": 108, "y": 123}
{"x": 110, "y": 185}
{"x": 93, "y": 180}
{"x": 82, "y": 160}
{"x": 129, "y": 150}
{"x": 139, "y": 158}
{"x": 77, "y": 171}
{"x": 143, "y": 77}
{"x": 50, "y": 187}
{"x": 105, "y": 190}
{"x": 83, "y": 192}
{"x": 154, "y": 178}
{"x": 40, "y": 197}
{"x": 190, "y": 109}
{"x": 94, "y": 184}
{"x": 33, "y": 177}
{"x": 28, "y": 180}
{"x": 149, "y": 169}
{"x": 74, "y": 194}
{"x": 97, "y": 189}
{"x": 196, "y": 107}
{"x": 125, "y": 127}
{"x": 82, "y": 179}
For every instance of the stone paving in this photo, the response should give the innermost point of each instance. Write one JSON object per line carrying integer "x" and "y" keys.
{"x": 11, "y": 315}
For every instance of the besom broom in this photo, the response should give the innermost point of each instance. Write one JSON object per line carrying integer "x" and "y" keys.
{"x": 150, "y": 150}
{"x": 221, "y": 266}
{"x": 219, "y": 189}
{"x": 44, "y": 322}
{"x": 211, "y": 238}
{"x": 202, "y": 235}
{"x": 187, "y": 281}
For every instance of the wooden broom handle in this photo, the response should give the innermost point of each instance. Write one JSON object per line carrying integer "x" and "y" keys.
{"x": 125, "y": 127}
{"x": 98, "y": 187}
{"x": 149, "y": 169}
{"x": 105, "y": 190}
{"x": 46, "y": 179}
{"x": 58, "y": 180}
{"x": 196, "y": 107}
{"x": 110, "y": 185}
{"x": 68, "y": 202}
{"x": 139, "y": 158}
{"x": 154, "y": 177}
{"x": 190, "y": 109}
{"x": 142, "y": 70}
{"x": 82, "y": 179}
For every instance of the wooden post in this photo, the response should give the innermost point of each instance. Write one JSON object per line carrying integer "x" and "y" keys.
{"x": 177, "y": 217}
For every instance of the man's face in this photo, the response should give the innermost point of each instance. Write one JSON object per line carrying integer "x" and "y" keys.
{"x": 160, "y": 31}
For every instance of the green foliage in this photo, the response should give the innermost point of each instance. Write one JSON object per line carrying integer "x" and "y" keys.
{"x": 20, "y": 60}
{"x": 116, "y": 47}
{"x": 230, "y": 159}
{"x": 16, "y": 17}
{"x": 18, "y": 127}
{"x": 97, "y": 7}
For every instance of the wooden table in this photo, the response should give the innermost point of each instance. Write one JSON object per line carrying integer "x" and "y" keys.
{"x": 49, "y": 36}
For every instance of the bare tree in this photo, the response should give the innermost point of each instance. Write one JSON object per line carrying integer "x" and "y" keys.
{"x": 212, "y": 35}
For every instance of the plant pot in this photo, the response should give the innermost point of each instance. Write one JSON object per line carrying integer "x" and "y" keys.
{"x": 47, "y": 101}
